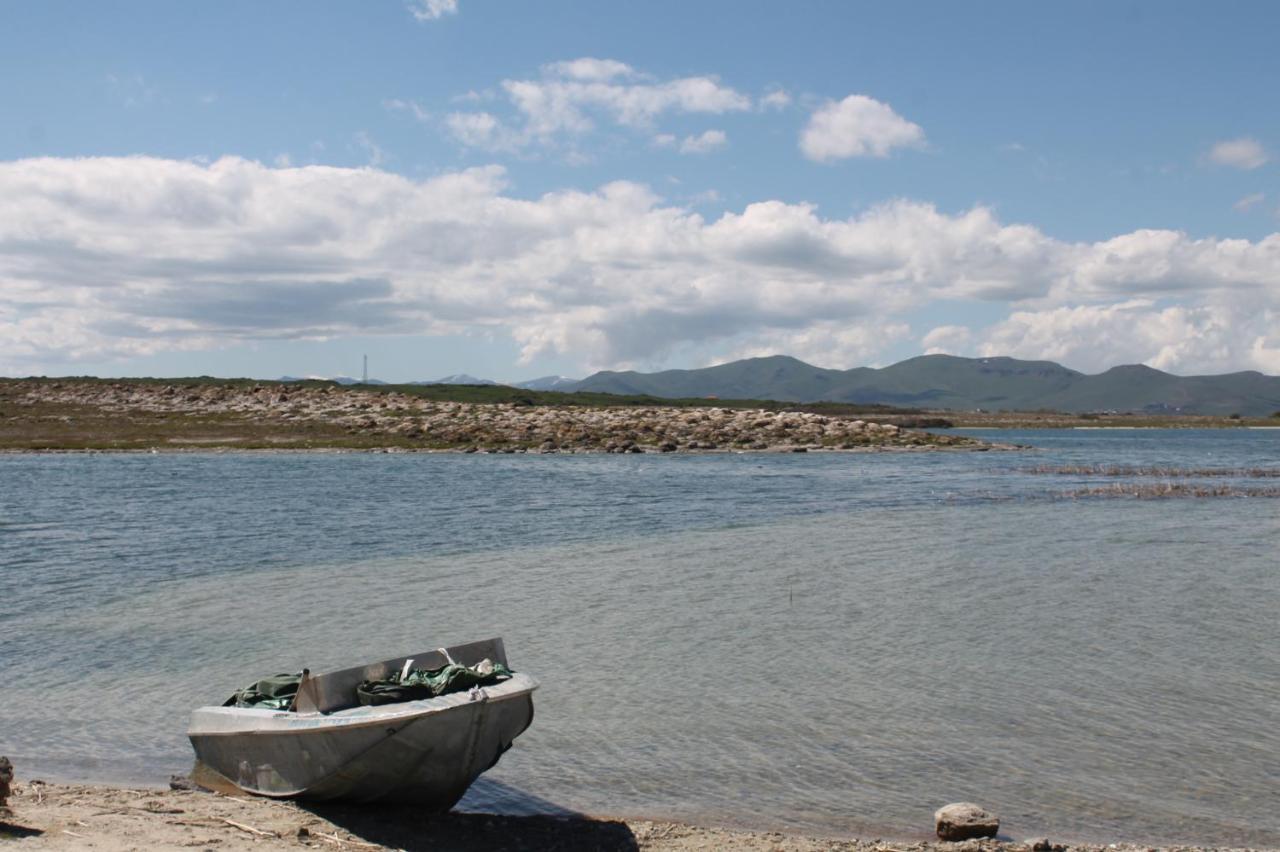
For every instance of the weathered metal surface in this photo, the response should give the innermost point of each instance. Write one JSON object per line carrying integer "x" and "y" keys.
{"x": 425, "y": 751}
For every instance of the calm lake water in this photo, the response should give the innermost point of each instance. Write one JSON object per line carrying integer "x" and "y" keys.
{"x": 833, "y": 643}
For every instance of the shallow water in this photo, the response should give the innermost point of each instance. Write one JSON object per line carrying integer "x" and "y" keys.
{"x": 825, "y": 642}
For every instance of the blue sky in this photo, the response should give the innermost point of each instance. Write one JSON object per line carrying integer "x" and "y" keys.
{"x": 516, "y": 189}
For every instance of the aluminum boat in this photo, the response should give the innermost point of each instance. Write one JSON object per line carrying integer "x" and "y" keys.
{"x": 328, "y": 746}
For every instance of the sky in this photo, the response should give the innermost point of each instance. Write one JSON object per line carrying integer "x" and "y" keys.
{"x": 519, "y": 189}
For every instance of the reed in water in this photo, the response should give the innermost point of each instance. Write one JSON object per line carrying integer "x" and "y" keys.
{"x": 1154, "y": 471}
{"x": 1162, "y": 490}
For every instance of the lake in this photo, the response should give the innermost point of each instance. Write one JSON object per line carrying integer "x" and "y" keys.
{"x": 829, "y": 643}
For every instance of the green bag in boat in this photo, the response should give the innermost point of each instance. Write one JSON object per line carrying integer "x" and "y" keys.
{"x": 428, "y": 683}
{"x": 271, "y": 693}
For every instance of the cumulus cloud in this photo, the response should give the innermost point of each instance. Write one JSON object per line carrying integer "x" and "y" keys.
{"x": 857, "y": 126}
{"x": 1220, "y": 336}
{"x": 1243, "y": 153}
{"x": 569, "y": 99}
{"x": 430, "y": 10}
{"x": 114, "y": 257}
{"x": 947, "y": 340}
{"x": 704, "y": 142}
{"x": 830, "y": 344}
{"x": 482, "y": 130}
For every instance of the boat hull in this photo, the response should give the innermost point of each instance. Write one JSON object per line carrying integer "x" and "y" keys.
{"x": 426, "y": 752}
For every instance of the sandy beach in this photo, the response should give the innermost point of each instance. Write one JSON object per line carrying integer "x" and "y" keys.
{"x": 114, "y": 819}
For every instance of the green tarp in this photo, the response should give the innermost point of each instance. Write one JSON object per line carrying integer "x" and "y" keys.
{"x": 428, "y": 683}
{"x": 278, "y": 691}
{"x": 271, "y": 693}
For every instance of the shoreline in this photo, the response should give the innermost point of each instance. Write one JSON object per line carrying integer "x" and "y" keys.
{"x": 132, "y": 416}
{"x": 215, "y": 449}
{"x": 115, "y": 818}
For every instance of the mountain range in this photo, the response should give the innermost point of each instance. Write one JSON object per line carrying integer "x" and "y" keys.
{"x": 936, "y": 382}
{"x": 949, "y": 382}
{"x": 560, "y": 383}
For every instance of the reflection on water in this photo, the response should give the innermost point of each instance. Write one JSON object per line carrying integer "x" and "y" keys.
{"x": 827, "y": 643}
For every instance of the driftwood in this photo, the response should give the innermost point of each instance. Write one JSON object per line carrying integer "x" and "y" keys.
{"x": 6, "y": 778}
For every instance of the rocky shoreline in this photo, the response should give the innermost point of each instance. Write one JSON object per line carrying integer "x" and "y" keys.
{"x": 113, "y": 819}
{"x": 53, "y": 415}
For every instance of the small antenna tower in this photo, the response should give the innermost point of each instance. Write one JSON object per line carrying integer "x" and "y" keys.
{"x": 364, "y": 376}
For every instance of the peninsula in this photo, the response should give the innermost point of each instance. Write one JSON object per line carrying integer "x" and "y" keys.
{"x": 97, "y": 414}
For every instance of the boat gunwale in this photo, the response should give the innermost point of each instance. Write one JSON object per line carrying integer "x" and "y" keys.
{"x": 277, "y": 722}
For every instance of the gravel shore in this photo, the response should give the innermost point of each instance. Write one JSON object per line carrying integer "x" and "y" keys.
{"x": 72, "y": 414}
{"x": 113, "y": 819}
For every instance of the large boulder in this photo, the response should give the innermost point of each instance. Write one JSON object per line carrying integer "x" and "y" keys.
{"x": 965, "y": 821}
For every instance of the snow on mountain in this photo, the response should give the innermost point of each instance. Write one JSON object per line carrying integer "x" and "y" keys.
{"x": 553, "y": 383}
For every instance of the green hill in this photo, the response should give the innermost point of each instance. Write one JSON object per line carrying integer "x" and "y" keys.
{"x": 945, "y": 381}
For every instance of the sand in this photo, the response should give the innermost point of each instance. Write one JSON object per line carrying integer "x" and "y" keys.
{"x": 70, "y": 816}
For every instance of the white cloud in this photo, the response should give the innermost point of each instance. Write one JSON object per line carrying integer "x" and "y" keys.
{"x": 1204, "y": 338}
{"x": 1249, "y": 201}
{"x": 377, "y": 156}
{"x": 112, "y": 257}
{"x": 411, "y": 107}
{"x": 475, "y": 97}
{"x": 1243, "y": 153}
{"x": 590, "y": 69}
{"x": 431, "y": 10}
{"x": 775, "y": 99}
{"x": 570, "y": 98}
{"x": 704, "y": 142}
{"x": 482, "y": 130}
{"x": 947, "y": 340}
{"x": 834, "y": 345}
{"x": 664, "y": 140}
{"x": 857, "y": 126}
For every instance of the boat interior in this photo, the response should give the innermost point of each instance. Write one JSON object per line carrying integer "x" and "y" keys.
{"x": 334, "y": 691}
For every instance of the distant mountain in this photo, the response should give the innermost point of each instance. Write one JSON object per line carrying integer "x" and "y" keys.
{"x": 551, "y": 383}
{"x": 778, "y": 377}
{"x": 456, "y": 379}
{"x": 945, "y": 381}
{"x": 341, "y": 380}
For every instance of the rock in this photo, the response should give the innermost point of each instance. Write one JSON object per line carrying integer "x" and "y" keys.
{"x": 1042, "y": 844}
{"x": 184, "y": 782}
{"x": 964, "y": 821}
{"x": 667, "y": 447}
{"x": 6, "y": 778}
